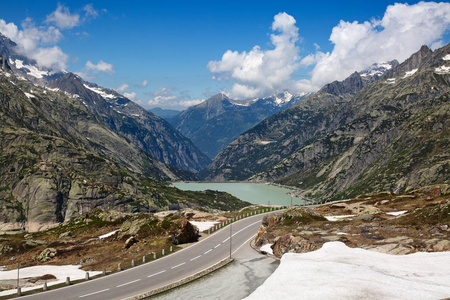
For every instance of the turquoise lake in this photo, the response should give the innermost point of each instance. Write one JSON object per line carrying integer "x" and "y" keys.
{"x": 255, "y": 193}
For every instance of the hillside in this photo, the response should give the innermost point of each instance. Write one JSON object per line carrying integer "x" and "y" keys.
{"x": 59, "y": 160}
{"x": 214, "y": 123}
{"x": 152, "y": 134}
{"x": 358, "y": 136}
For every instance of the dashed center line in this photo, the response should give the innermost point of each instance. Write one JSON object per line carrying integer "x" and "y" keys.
{"x": 128, "y": 283}
{"x": 195, "y": 257}
{"x": 156, "y": 274}
{"x": 178, "y": 265}
{"x": 225, "y": 240}
{"x": 208, "y": 251}
{"x": 94, "y": 293}
{"x": 216, "y": 246}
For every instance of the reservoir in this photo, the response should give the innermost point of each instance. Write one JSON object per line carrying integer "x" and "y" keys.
{"x": 255, "y": 193}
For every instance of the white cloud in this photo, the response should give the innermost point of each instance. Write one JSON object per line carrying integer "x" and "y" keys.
{"x": 90, "y": 12}
{"x": 144, "y": 83}
{"x": 402, "y": 31}
{"x": 36, "y": 43}
{"x": 260, "y": 72}
{"x": 62, "y": 18}
{"x": 101, "y": 66}
{"x": 171, "y": 97}
{"x": 131, "y": 96}
{"x": 123, "y": 87}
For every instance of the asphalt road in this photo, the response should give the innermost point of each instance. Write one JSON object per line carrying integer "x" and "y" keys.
{"x": 163, "y": 271}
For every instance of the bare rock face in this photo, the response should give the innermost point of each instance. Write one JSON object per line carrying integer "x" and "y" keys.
{"x": 47, "y": 254}
{"x": 184, "y": 232}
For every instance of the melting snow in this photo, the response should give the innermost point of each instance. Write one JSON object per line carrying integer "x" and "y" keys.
{"x": 390, "y": 81}
{"x": 396, "y": 213}
{"x": 338, "y": 272}
{"x": 337, "y": 218}
{"x": 447, "y": 57}
{"x": 107, "y": 234}
{"x": 266, "y": 248}
{"x": 202, "y": 226}
{"x": 410, "y": 73}
{"x": 442, "y": 70}
{"x": 29, "y": 95}
{"x": 32, "y": 70}
{"x": 60, "y": 272}
{"x": 100, "y": 92}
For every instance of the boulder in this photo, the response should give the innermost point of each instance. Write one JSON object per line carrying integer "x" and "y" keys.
{"x": 130, "y": 242}
{"x": 46, "y": 254}
{"x": 184, "y": 232}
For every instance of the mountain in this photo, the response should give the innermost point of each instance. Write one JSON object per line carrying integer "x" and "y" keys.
{"x": 214, "y": 123}
{"x": 151, "y": 133}
{"x": 59, "y": 160}
{"x": 166, "y": 114}
{"x": 369, "y": 133}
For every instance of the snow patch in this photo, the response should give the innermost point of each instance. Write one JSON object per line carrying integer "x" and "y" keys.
{"x": 104, "y": 236}
{"x": 32, "y": 70}
{"x": 397, "y": 213}
{"x": 390, "y": 81}
{"x": 447, "y": 57}
{"x": 202, "y": 226}
{"x": 338, "y": 272}
{"x": 29, "y": 96}
{"x": 337, "y": 218}
{"x": 410, "y": 73}
{"x": 266, "y": 248}
{"x": 376, "y": 69}
{"x": 442, "y": 70}
{"x": 100, "y": 92}
{"x": 60, "y": 272}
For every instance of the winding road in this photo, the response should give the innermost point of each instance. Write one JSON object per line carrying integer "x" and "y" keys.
{"x": 163, "y": 271}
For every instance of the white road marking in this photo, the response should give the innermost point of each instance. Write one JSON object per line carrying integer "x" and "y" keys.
{"x": 216, "y": 246}
{"x": 208, "y": 251}
{"x": 225, "y": 240}
{"x": 178, "y": 265}
{"x": 156, "y": 274}
{"x": 195, "y": 257}
{"x": 94, "y": 293}
{"x": 128, "y": 283}
{"x": 245, "y": 228}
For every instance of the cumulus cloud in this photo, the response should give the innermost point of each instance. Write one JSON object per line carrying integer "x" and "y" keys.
{"x": 171, "y": 97}
{"x": 402, "y": 31}
{"x": 260, "y": 72}
{"x": 37, "y": 43}
{"x": 123, "y": 87}
{"x": 101, "y": 66}
{"x": 131, "y": 96}
{"x": 62, "y": 18}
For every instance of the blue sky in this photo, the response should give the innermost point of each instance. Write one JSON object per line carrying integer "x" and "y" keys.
{"x": 171, "y": 53}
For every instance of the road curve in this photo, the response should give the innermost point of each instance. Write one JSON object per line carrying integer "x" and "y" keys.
{"x": 163, "y": 271}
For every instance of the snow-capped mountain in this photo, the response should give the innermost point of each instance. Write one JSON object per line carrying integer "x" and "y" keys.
{"x": 152, "y": 134}
{"x": 214, "y": 123}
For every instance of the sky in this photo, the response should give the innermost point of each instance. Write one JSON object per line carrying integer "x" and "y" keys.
{"x": 174, "y": 54}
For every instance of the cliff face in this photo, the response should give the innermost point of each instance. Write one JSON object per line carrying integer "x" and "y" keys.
{"x": 352, "y": 138}
{"x": 58, "y": 160}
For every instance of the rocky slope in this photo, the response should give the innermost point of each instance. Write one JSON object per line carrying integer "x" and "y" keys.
{"x": 59, "y": 160}
{"x": 386, "y": 133}
{"x": 126, "y": 118}
{"x": 214, "y": 123}
{"x": 388, "y": 223}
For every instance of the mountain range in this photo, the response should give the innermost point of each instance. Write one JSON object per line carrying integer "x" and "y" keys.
{"x": 383, "y": 129}
{"x": 217, "y": 121}
{"x": 69, "y": 146}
